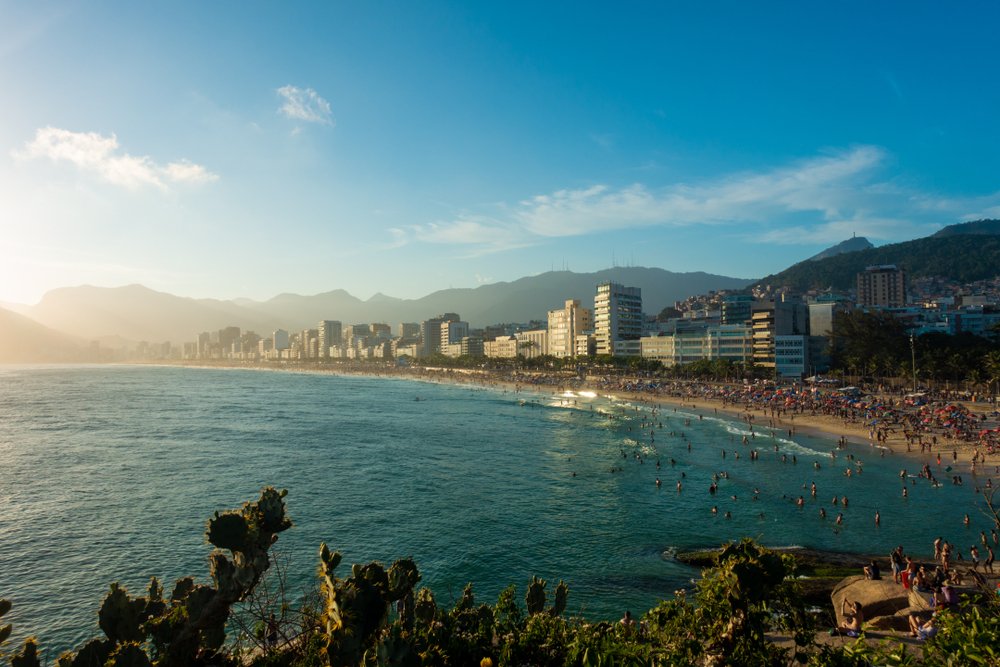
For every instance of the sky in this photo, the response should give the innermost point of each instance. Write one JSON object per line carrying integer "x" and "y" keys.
{"x": 247, "y": 149}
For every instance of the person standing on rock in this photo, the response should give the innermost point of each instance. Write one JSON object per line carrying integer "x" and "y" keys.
{"x": 897, "y": 562}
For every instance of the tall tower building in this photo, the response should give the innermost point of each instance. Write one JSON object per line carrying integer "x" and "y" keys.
{"x": 618, "y": 319}
{"x": 565, "y": 324}
{"x": 430, "y": 333}
{"x": 882, "y": 286}
{"x": 330, "y": 333}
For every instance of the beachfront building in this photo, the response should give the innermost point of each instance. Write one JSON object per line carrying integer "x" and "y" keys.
{"x": 430, "y": 333}
{"x": 309, "y": 344}
{"x": 733, "y": 342}
{"x": 882, "y": 286}
{"x": 736, "y": 308}
{"x": 472, "y": 346}
{"x": 532, "y": 343}
{"x": 452, "y": 332}
{"x": 618, "y": 319}
{"x": 408, "y": 331}
{"x": 791, "y": 356}
{"x": 585, "y": 344}
{"x": 279, "y": 339}
{"x": 402, "y": 348}
{"x": 787, "y": 317}
{"x": 565, "y": 324}
{"x": 501, "y": 347}
{"x": 329, "y": 334}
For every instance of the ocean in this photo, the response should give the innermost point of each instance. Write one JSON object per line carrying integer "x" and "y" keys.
{"x": 109, "y": 473}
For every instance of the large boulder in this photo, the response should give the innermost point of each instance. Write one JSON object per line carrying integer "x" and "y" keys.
{"x": 882, "y": 597}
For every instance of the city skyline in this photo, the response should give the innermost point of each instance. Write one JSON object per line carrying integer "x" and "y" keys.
{"x": 248, "y": 150}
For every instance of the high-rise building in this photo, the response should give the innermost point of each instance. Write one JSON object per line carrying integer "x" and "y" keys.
{"x": 280, "y": 340}
{"x": 228, "y": 337}
{"x": 618, "y": 319}
{"x": 430, "y": 333}
{"x": 408, "y": 330}
{"x": 453, "y": 332}
{"x": 882, "y": 286}
{"x": 565, "y": 324}
{"x": 736, "y": 308}
{"x": 773, "y": 319}
{"x": 330, "y": 334}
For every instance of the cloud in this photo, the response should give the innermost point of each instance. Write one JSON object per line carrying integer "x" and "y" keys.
{"x": 304, "y": 104}
{"x": 99, "y": 154}
{"x": 816, "y": 200}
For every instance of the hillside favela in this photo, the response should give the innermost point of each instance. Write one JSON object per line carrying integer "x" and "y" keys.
{"x": 399, "y": 334}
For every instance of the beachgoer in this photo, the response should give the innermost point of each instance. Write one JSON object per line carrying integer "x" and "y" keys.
{"x": 872, "y": 571}
{"x": 897, "y": 563}
{"x": 627, "y": 621}
{"x": 920, "y": 630}
{"x": 853, "y": 618}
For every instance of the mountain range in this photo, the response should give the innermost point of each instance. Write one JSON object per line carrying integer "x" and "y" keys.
{"x": 117, "y": 316}
{"x": 67, "y": 320}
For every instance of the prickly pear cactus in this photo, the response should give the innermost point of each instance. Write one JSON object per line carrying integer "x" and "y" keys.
{"x": 425, "y": 608}
{"x": 534, "y": 599}
{"x": 189, "y": 628}
{"x": 356, "y": 609}
{"x": 559, "y": 604}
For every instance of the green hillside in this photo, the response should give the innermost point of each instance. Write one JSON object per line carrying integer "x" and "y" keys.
{"x": 961, "y": 257}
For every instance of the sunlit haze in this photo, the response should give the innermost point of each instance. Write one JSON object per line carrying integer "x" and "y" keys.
{"x": 247, "y": 149}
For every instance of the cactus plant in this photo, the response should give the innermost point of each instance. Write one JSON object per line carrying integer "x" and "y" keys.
{"x": 559, "y": 604}
{"x": 190, "y": 627}
{"x": 534, "y": 598}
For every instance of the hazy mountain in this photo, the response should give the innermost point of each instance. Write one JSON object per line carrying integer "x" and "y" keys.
{"x": 518, "y": 301}
{"x": 23, "y": 340}
{"x": 850, "y": 245}
{"x": 138, "y": 313}
{"x": 956, "y": 255}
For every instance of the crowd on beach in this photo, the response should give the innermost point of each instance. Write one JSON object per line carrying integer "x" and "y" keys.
{"x": 938, "y": 581}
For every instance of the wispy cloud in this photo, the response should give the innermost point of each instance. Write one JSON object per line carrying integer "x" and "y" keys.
{"x": 96, "y": 153}
{"x": 304, "y": 104}
{"x": 821, "y": 199}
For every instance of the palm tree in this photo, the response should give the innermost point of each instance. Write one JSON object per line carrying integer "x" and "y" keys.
{"x": 991, "y": 365}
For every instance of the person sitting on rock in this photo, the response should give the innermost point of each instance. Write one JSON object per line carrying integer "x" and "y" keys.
{"x": 853, "y": 618}
{"x": 945, "y": 597}
{"x": 872, "y": 572}
{"x": 923, "y": 630}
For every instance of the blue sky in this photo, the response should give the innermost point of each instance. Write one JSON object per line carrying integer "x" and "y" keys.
{"x": 241, "y": 149}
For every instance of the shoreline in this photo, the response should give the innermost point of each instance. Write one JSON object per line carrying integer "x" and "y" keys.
{"x": 951, "y": 453}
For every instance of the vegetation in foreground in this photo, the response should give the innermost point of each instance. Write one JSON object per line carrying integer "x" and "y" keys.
{"x": 374, "y": 616}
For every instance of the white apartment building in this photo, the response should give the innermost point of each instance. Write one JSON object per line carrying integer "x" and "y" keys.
{"x": 565, "y": 324}
{"x": 617, "y": 318}
{"x": 727, "y": 341}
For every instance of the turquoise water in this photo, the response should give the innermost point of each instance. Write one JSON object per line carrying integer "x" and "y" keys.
{"x": 109, "y": 474}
